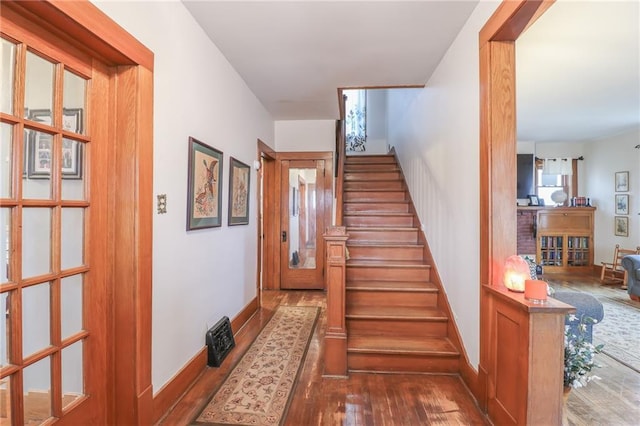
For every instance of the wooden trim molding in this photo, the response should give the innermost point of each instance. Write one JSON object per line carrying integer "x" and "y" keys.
{"x": 181, "y": 382}
{"x": 243, "y": 316}
{"x": 84, "y": 25}
{"x": 172, "y": 391}
{"x": 130, "y": 100}
{"x": 521, "y": 358}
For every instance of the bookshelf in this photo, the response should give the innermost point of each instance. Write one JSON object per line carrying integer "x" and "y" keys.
{"x": 565, "y": 238}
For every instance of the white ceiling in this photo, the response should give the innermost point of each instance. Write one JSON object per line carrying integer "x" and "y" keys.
{"x": 578, "y": 72}
{"x": 578, "y": 66}
{"x": 294, "y": 55}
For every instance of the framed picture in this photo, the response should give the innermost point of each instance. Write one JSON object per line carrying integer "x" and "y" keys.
{"x": 204, "y": 208}
{"x": 533, "y": 200}
{"x": 621, "y": 226}
{"x": 622, "y": 181}
{"x": 39, "y": 147}
{"x": 239, "y": 180}
{"x": 622, "y": 203}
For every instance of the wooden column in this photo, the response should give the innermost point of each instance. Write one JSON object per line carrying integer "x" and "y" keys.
{"x": 335, "y": 339}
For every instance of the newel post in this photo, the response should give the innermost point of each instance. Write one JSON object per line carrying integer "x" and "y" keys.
{"x": 335, "y": 339}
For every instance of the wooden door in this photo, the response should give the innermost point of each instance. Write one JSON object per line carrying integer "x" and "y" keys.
{"x": 53, "y": 322}
{"x": 301, "y": 254}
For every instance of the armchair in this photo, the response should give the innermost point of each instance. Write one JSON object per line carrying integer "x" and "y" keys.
{"x": 631, "y": 264}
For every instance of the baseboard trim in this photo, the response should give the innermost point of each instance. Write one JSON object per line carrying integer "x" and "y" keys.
{"x": 470, "y": 378}
{"x": 243, "y": 316}
{"x": 173, "y": 390}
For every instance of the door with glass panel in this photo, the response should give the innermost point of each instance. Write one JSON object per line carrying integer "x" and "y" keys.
{"x": 52, "y": 321}
{"x": 302, "y": 221}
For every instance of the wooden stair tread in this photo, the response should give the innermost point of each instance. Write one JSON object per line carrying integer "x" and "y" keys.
{"x": 401, "y": 345}
{"x": 376, "y": 202}
{"x": 370, "y": 213}
{"x": 381, "y": 228}
{"x": 373, "y": 190}
{"x": 365, "y": 263}
{"x": 406, "y": 313}
{"x": 380, "y": 244}
{"x": 400, "y": 286}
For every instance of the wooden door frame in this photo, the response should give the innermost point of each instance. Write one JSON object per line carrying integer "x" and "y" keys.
{"x": 267, "y": 230}
{"x": 498, "y": 226}
{"x": 129, "y": 122}
{"x": 327, "y": 198}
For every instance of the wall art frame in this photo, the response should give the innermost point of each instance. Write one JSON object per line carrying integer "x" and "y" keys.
{"x": 239, "y": 184}
{"x": 38, "y": 152}
{"x": 622, "y": 181}
{"x": 622, "y": 203}
{"x": 204, "y": 185}
{"x": 621, "y": 226}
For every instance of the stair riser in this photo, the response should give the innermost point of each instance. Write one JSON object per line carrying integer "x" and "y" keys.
{"x": 385, "y": 253}
{"x": 369, "y": 166}
{"x": 372, "y": 196}
{"x": 408, "y": 237}
{"x": 378, "y": 185}
{"x": 388, "y": 274}
{"x": 390, "y": 298}
{"x": 402, "y": 363}
{"x": 368, "y": 159}
{"x": 391, "y": 328}
{"x": 378, "y": 221}
{"x": 349, "y": 176}
{"x": 376, "y": 207}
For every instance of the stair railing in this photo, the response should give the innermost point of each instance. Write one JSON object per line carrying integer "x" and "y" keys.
{"x": 335, "y": 240}
{"x": 340, "y": 155}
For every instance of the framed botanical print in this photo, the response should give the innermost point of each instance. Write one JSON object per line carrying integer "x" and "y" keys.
{"x": 621, "y": 226}
{"x": 239, "y": 180}
{"x": 622, "y": 181}
{"x": 204, "y": 207}
{"x": 622, "y": 203}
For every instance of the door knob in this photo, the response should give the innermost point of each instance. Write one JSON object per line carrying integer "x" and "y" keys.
{"x": 284, "y": 236}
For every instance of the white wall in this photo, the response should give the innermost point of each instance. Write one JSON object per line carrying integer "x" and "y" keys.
{"x": 436, "y": 133}
{"x": 376, "y": 123}
{"x": 305, "y": 135}
{"x": 603, "y": 158}
{"x": 198, "y": 276}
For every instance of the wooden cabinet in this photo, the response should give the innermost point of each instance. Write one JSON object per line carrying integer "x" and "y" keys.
{"x": 565, "y": 238}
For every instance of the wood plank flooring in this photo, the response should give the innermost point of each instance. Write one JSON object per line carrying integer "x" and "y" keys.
{"x": 362, "y": 399}
{"x": 615, "y": 398}
{"x": 381, "y": 399}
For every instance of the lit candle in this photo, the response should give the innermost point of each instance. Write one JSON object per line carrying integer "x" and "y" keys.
{"x": 535, "y": 290}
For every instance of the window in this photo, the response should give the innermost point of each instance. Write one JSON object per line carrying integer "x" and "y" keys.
{"x": 548, "y": 183}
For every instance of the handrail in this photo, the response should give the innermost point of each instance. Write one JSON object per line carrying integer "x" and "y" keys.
{"x": 340, "y": 153}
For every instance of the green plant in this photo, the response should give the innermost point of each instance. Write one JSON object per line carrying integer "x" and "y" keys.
{"x": 579, "y": 354}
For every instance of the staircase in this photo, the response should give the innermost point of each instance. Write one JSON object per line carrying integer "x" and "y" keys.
{"x": 393, "y": 319}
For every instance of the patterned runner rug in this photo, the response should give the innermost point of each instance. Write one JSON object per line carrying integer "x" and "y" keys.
{"x": 259, "y": 388}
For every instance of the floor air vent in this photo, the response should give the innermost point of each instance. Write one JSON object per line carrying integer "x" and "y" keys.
{"x": 219, "y": 342}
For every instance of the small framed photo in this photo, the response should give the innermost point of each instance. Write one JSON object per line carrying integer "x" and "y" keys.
{"x": 621, "y": 225}
{"x": 239, "y": 180}
{"x": 39, "y": 153}
{"x": 622, "y": 203}
{"x": 533, "y": 200}
{"x": 622, "y": 181}
{"x": 204, "y": 207}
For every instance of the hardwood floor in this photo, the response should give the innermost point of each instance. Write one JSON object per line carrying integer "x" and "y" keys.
{"x": 615, "y": 398}
{"x": 362, "y": 399}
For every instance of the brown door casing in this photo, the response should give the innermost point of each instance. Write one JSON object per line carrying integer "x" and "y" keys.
{"x": 297, "y": 196}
